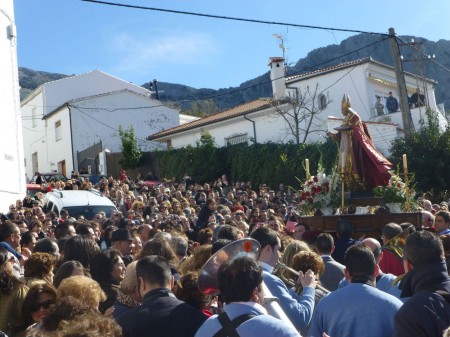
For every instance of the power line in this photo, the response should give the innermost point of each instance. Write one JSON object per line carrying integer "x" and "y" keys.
{"x": 230, "y": 17}
{"x": 423, "y": 54}
{"x": 293, "y": 74}
{"x": 179, "y": 105}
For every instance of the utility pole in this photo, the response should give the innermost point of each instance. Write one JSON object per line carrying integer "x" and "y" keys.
{"x": 155, "y": 87}
{"x": 408, "y": 124}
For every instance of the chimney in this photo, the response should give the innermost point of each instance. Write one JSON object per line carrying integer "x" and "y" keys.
{"x": 276, "y": 65}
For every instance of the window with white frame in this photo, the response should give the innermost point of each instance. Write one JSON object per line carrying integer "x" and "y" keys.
{"x": 58, "y": 132}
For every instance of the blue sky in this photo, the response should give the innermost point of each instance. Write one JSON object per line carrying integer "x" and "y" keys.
{"x": 73, "y": 37}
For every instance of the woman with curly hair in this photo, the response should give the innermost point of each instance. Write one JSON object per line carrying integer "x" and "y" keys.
{"x": 39, "y": 269}
{"x": 12, "y": 295}
{"x": 84, "y": 289}
{"x": 36, "y": 305}
{"x": 310, "y": 260}
{"x": 108, "y": 269}
{"x": 195, "y": 262}
{"x": 138, "y": 207}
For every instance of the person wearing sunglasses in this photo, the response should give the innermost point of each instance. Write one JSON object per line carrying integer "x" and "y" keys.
{"x": 36, "y": 305}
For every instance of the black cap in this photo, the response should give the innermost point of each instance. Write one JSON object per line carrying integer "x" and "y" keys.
{"x": 121, "y": 234}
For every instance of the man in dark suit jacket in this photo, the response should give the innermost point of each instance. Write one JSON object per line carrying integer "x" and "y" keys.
{"x": 334, "y": 271}
{"x": 161, "y": 313}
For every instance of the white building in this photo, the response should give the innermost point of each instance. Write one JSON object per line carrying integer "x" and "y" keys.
{"x": 70, "y": 115}
{"x": 257, "y": 121}
{"x": 12, "y": 173}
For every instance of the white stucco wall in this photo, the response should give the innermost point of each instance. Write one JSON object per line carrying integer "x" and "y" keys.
{"x": 98, "y": 118}
{"x": 95, "y": 82}
{"x": 58, "y": 151}
{"x": 268, "y": 128}
{"x": 34, "y": 135}
{"x": 12, "y": 174}
{"x": 39, "y": 138}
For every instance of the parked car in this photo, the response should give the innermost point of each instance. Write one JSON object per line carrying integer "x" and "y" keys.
{"x": 47, "y": 176}
{"x": 32, "y": 189}
{"x": 152, "y": 183}
{"x": 93, "y": 178}
{"x": 79, "y": 202}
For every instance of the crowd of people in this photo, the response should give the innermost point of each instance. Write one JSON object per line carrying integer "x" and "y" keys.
{"x": 136, "y": 272}
{"x": 416, "y": 100}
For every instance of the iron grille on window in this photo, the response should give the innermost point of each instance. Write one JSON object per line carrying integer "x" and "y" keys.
{"x": 237, "y": 139}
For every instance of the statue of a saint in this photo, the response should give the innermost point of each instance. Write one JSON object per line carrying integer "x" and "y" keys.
{"x": 363, "y": 166}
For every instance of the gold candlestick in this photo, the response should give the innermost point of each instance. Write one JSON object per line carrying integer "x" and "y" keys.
{"x": 307, "y": 169}
{"x": 405, "y": 172}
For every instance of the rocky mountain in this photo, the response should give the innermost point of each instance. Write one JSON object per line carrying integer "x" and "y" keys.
{"x": 30, "y": 79}
{"x": 352, "y": 48}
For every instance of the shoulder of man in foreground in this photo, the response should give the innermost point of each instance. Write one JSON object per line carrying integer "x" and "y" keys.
{"x": 425, "y": 314}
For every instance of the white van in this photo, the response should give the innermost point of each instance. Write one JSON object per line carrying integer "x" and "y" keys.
{"x": 79, "y": 202}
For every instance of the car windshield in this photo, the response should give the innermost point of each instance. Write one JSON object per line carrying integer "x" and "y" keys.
{"x": 89, "y": 211}
{"x": 56, "y": 177}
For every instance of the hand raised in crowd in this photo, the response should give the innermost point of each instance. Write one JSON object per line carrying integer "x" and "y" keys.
{"x": 308, "y": 279}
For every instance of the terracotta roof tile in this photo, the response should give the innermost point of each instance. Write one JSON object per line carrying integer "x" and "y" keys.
{"x": 258, "y": 104}
{"x": 330, "y": 69}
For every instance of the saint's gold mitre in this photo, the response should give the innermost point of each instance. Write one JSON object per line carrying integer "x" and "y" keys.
{"x": 345, "y": 102}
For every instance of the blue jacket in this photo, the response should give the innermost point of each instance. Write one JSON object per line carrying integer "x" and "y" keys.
{"x": 385, "y": 283}
{"x": 261, "y": 325}
{"x": 298, "y": 309}
{"x": 355, "y": 310}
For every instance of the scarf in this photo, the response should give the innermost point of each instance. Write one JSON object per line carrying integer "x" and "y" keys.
{"x": 127, "y": 300}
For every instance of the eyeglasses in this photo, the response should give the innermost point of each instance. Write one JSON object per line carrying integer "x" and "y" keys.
{"x": 44, "y": 305}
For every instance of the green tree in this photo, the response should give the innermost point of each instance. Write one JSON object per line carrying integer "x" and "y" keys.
{"x": 301, "y": 112}
{"x": 130, "y": 149}
{"x": 428, "y": 156}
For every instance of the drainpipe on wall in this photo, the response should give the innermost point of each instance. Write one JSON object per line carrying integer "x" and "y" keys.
{"x": 254, "y": 127}
{"x": 71, "y": 140}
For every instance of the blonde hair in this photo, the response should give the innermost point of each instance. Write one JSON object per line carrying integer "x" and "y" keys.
{"x": 292, "y": 249}
{"x": 83, "y": 288}
{"x": 129, "y": 283}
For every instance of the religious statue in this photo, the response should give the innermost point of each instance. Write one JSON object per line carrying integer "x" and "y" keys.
{"x": 362, "y": 165}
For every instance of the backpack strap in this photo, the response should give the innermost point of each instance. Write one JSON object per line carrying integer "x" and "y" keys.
{"x": 229, "y": 326}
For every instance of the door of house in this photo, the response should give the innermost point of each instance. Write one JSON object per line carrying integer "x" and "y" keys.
{"x": 34, "y": 162}
{"x": 62, "y": 167}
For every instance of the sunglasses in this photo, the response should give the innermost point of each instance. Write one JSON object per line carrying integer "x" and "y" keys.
{"x": 44, "y": 305}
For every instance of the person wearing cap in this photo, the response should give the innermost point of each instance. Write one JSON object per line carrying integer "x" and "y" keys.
{"x": 122, "y": 241}
{"x": 379, "y": 106}
{"x": 391, "y": 103}
{"x": 69, "y": 185}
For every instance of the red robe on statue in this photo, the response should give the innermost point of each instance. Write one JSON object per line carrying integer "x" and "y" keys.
{"x": 358, "y": 156}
